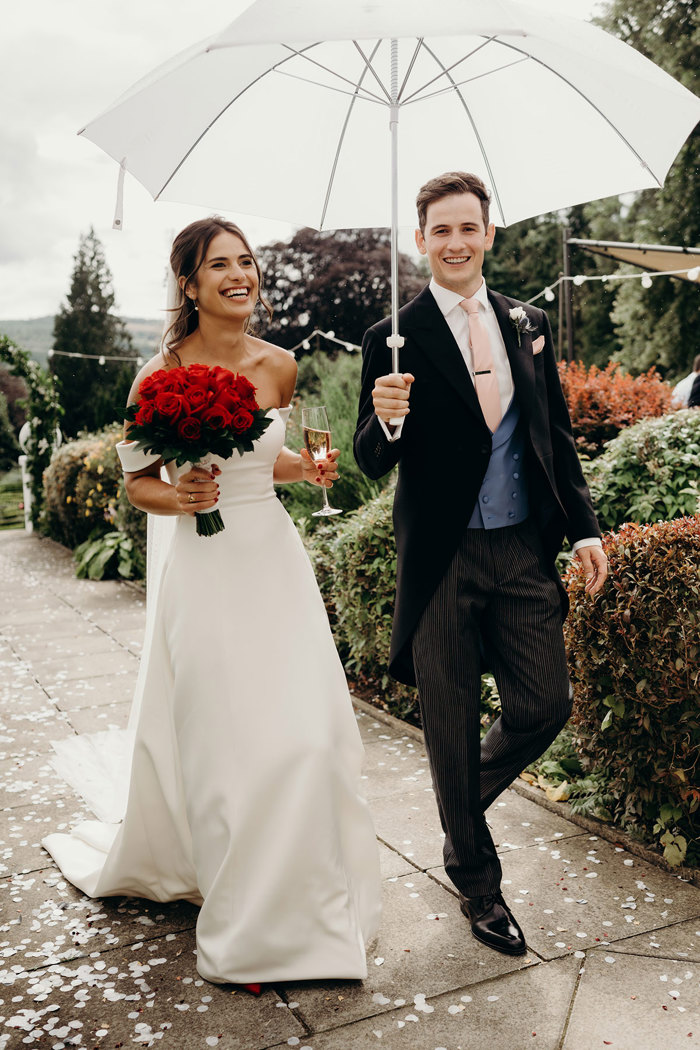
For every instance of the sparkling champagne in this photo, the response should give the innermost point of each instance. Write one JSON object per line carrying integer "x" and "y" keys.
{"x": 318, "y": 442}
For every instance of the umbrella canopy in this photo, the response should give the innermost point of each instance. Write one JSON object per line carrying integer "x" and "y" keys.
{"x": 286, "y": 112}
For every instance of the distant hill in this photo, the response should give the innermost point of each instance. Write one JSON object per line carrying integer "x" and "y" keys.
{"x": 36, "y": 335}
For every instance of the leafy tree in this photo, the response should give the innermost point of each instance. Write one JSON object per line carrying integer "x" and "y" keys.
{"x": 657, "y": 326}
{"x": 15, "y": 390}
{"x": 86, "y": 324}
{"x": 9, "y": 449}
{"x": 337, "y": 281}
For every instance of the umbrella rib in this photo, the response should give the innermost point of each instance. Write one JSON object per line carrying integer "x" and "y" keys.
{"x": 590, "y": 102}
{"x": 411, "y": 64}
{"x": 333, "y": 72}
{"x": 446, "y": 69}
{"x": 460, "y": 83}
{"x": 368, "y": 68}
{"x": 366, "y": 96}
{"x": 492, "y": 179}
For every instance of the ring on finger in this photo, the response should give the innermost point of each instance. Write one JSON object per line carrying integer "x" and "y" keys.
{"x": 191, "y": 497}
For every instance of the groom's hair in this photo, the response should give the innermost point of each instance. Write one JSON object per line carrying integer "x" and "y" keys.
{"x": 446, "y": 186}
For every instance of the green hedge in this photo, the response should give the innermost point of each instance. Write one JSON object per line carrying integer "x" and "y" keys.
{"x": 649, "y": 472}
{"x": 634, "y": 658}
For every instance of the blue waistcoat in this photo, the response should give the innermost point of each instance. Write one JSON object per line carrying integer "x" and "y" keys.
{"x": 503, "y": 496}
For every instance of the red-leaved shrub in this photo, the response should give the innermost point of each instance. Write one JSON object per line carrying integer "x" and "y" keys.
{"x": 602, "y": 402}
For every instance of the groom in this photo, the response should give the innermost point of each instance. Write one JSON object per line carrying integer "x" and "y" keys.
{"x": 489, "y": 484}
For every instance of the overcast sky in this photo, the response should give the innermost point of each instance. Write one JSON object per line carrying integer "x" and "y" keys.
{"x": 62, "y": 63}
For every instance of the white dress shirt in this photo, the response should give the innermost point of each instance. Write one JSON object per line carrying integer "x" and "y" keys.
{"x": 458, "y": 323}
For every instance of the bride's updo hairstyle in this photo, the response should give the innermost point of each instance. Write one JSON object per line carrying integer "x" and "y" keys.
{"x": 188, "y": 253}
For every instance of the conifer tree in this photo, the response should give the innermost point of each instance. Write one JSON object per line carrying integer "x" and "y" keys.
{"x": 86, "y": 324}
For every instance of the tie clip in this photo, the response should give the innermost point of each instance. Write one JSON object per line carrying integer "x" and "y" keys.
{"x": 484, "y": 372}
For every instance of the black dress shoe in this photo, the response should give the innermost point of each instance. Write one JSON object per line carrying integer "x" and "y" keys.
{"x": 493, "y": 924}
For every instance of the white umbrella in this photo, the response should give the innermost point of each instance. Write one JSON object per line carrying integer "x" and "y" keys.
{"x": 332, "y": 114}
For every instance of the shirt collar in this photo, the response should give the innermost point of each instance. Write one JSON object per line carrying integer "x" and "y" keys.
{"x": 447, "y": 299}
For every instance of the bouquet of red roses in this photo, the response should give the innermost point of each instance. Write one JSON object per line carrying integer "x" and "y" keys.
{"x": 191, "y": 413}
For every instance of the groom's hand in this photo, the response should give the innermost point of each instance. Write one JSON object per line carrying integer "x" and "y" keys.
{"x": 391, "y": 394}
{"x": 595, "y": 565}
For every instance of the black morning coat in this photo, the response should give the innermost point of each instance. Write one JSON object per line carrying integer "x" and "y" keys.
{"x": 444, "y": 449}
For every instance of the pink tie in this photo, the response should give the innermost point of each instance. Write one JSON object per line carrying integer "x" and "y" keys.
{"x": 485, "y": 379}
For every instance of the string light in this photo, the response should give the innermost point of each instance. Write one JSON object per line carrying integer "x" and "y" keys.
{"x": 305, "y": 343}
{"x": 100, "y": 358}
{"x": 646, "y": 279}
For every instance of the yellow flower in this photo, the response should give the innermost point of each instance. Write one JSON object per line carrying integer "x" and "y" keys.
{"x": 99, "y": 487}
{"x": 100, "y": 469}
{"x": 69, "y": 499}
{"x": 88, "y": 502}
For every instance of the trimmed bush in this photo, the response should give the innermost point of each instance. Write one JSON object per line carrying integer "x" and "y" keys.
{"x": 634, "y": 658}
{"x": 602, "y": 402}
{"x": 649, "y": 472}
{"x": 85, "y": 500}
{"x": 81, "y": 487}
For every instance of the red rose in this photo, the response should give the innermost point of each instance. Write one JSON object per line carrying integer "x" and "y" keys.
{"x": 217, "y": 416}
{"x": 189, "y": 428}
{"x": 243, "y": 386}
{"x": 145, "y": 413}
{"x": 148, "y": 388}
{"x": 198, "y": 376}
{"x": 195, "y": 399}
{"x": 224, "y": 399}
{"x": 242, "y": 420}
{"x": 169, "y": 404}
{"x": 173, "y": 381}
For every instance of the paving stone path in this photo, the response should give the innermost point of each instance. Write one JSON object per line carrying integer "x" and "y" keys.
{"x": 614, "y": 942}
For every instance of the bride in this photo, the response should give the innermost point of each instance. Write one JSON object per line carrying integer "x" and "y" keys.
{"x": 245, "y": 764}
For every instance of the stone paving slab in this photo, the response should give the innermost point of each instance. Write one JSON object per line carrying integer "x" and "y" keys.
{"x": 55, "y": 671}
{"x": 681, "y": 942}
{"x": 424, "y": 947}
{"x": 626, "y": 1001}
{"x": 91, "y": 692}
{"x": 392, "y": 864}
{"x": 143, "y": 995}
{"x": 97, "y": 719}
{"x": 513, "y": 1012}
{"x": 90, "y": 640}
{"x": 391, "y": 767}
{"x": 29, "y": 779}
{"x": 22, "y": 735}
{"x": 23, "y": 827}
{"x": 46, "y": 920}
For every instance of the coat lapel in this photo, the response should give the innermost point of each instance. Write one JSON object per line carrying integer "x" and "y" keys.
{"x": 432, "y": 334}
{"x": 522, "y": 365}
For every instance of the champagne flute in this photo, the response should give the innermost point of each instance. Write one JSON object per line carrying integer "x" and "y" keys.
{"x": 317, "y": 438}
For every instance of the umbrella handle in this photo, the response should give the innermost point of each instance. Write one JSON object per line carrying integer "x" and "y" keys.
{"x": 395, "y": 342}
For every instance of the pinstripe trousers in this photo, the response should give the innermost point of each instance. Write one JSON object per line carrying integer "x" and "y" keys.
{"x": 497, "y": 601}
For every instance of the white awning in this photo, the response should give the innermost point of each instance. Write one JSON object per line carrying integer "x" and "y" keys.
{"x": 655, "y": 257}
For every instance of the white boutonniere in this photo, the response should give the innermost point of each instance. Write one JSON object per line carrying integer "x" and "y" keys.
{"x": 520, "y": 321}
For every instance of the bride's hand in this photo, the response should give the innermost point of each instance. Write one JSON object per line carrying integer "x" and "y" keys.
{"x": 197, "y": 489}
{"x": 321, "y": 473}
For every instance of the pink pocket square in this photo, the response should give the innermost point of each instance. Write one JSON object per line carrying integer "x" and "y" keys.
{"x": 538, "y": 344}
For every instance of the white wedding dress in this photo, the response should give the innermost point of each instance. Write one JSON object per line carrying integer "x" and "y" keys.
{"x": 243, "y": 793}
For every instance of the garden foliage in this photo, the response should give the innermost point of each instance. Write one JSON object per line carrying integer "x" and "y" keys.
{"x": 602, "y": 402}
{"x": 634, "y": 659}
{"x": 43, "y": 414}
{"x": 82, "y": 487}
{"x": 649, "y": 472}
